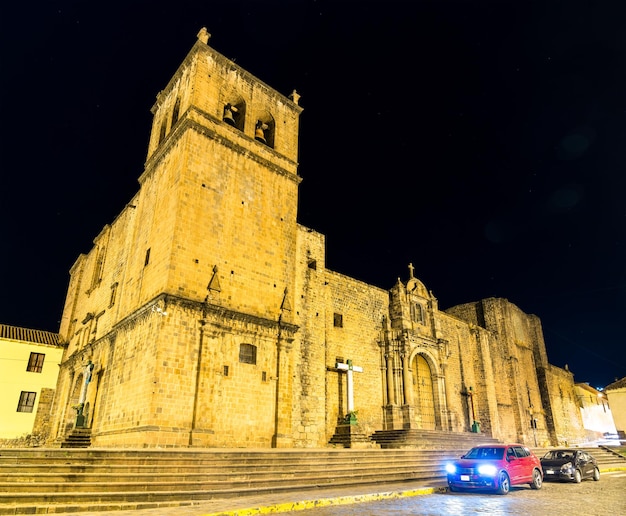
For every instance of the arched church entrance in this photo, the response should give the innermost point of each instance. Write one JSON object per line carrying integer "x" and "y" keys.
{"x": 424, "y": 399}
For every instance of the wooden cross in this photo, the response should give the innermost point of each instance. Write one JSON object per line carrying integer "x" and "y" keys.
{"x": 348, "y": 368}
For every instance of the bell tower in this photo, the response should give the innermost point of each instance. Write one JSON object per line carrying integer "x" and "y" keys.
{"x": 221, "y": 176}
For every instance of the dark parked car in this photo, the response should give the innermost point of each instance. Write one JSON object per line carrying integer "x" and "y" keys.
{"x": 495, "y": 467}
{"x": 570, "y": 465}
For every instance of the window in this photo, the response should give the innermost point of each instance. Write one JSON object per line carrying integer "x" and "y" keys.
{"x": 97, "y": 270}
{"x": 522, "y": 452}
{"x": 417, "y": 313}
{"x": 27, "y": 401}
{"x": 175, "y": 112}
{"x": 162, "y": 132}
{"x": 35, "y": 362}
{"x": 338, "y": 320}
{"x": 233, "y": 115}
{"x": 225, "y": 370}
{"x": 113, "y": 294}
{"x": 264, "y": 130}
{"x": 247, "y": 354}
{"x": 147, "y": 260}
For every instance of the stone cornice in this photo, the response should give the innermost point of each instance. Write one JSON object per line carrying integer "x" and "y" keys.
{"x": 214, "y": 315}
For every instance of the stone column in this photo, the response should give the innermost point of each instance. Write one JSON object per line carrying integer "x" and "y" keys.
{"x": 406, "y": 377}
{"x": 283, "y": 437}
{"x": 391, "y": 391}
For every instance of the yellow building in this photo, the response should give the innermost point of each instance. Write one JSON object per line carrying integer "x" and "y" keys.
{"x": 204, "y": 314}
{"x": 29, "y": 367}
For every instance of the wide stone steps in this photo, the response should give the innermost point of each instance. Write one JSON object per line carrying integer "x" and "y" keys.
{"x": 54, "y": 480}
{"x": 429, "y": 439}
{"x": 39, "y": 481}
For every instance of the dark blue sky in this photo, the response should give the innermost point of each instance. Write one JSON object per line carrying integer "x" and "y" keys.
{"x": 485, "y": 142}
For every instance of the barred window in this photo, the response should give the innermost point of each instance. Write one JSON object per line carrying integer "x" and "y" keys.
{"x": 247, "y": 354}
{"x": 27, "y": 401}
{"x": 338, "y": 320}
{"x": 35, "y": 362}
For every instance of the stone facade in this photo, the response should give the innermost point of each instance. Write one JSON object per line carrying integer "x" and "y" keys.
{"x": 213, "y": 321}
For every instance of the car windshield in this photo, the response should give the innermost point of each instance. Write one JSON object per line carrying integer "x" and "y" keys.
{"x": 485, "y": 453}
{"x": 559, "y": 454}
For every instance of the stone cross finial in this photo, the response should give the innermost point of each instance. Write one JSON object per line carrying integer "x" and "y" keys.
{"x": 411, "y": 269}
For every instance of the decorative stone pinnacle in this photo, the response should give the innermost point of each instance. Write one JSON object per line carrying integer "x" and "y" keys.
{"x": 204, "y": 35}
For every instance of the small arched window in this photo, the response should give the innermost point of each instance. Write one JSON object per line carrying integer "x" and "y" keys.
{"x": 264, "y": 131}
{"x": 265, "y": 128}
{"x": 234, "y": 112}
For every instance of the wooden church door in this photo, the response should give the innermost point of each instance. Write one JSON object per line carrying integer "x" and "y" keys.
{"x": 423, "y": 391}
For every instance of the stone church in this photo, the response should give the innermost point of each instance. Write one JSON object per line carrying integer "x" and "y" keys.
{"x": 204, "y": 314}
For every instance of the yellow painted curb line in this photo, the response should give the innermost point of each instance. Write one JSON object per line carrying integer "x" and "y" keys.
{"x": 325, "y": 502}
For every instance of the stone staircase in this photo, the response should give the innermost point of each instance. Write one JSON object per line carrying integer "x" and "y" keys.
{"x": 53, "y": 480}
{"x": 429, "y": 439}
{"x": 77, "y": 438}
{"x": 57, "y": 480}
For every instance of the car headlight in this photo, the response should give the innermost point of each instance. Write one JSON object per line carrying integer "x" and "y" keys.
{"x": 488, "y": 470}
{"x": 450, "y": 468}
{"x": 566, "y": 467}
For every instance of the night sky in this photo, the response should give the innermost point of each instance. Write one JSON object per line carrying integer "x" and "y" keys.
{"x": 484, "y": 142}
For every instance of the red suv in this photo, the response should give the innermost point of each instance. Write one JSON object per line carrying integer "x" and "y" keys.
{"x": 495, "y": 467}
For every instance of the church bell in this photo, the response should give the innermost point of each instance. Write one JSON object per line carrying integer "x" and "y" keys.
{"x": 259, "y": 132}
{"x": 229, "y": 117}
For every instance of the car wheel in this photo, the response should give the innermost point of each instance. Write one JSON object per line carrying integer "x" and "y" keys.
{"x": 454, "y": 489}
{"x": 504, "y": 484}
{"x": 537, "y": 480}
{"x": 577, "y": 476}
{"x": 596, "y": 474}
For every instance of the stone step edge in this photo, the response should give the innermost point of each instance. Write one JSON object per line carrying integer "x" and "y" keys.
{"x": 235, "y": 486}
{"x": 190, "y": 496}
